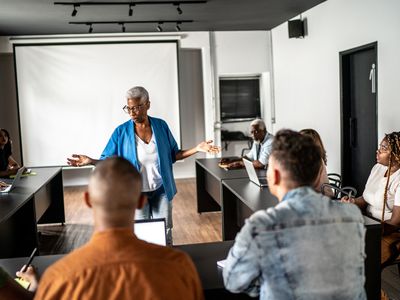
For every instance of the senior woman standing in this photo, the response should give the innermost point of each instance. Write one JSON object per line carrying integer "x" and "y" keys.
{"x": 148, "y": 144}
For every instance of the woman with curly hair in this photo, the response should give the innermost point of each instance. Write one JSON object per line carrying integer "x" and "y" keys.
{"x": 8, "y": 165}
{"x": 381, "y": 196}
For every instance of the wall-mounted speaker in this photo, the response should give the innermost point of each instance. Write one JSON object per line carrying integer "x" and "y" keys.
{"x": 296, "y": 29}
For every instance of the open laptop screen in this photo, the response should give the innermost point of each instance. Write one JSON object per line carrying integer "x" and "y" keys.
{"x": 152, "y": 231}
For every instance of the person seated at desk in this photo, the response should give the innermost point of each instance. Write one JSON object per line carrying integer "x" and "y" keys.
{"x": 381, "y": 196}
{"x": 8, "y": 165}
{"x": 307, "y": 246}
{"x": 115, "y": 264}
{"x": 322, "y": 175}
{"x": 260, "y": 150}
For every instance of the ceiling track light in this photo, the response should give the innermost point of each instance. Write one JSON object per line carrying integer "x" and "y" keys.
{"x": 131, "y": 4}
{"x": 75, "y": 11}
{"x": 131, "y": 9}
{"x": 177, "y": 27}
{"x": 123, "y": 23}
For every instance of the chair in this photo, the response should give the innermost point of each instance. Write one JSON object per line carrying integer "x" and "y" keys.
{"x": 339, "y": 192}
{"x": 246, "y": 150}
{"x": 335, "y": 179}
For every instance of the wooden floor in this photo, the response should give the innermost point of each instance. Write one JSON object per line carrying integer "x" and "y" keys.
{"x": 189, "y": 227}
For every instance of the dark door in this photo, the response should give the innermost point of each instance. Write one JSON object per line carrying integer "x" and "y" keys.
{"x": 359, "y": 116}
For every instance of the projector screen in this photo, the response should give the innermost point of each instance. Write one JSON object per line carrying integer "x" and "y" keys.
{"x": 70, "y": 96}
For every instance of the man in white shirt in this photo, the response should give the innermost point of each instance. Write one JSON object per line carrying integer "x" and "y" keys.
{"x": 261, "y": 149}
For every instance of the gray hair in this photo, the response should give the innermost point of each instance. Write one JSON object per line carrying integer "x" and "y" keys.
{"x": 260, "y": 123}
{"x": 138, "y": 92}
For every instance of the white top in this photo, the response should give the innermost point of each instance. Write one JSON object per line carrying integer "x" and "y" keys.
{"x": 375, "y": 188}
{"x": 261, "y": 151}
{"x": 147, "y": 155}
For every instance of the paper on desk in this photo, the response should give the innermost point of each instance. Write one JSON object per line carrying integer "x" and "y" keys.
{"x": 25, "y": 175}
{"x": 25, "y": 284}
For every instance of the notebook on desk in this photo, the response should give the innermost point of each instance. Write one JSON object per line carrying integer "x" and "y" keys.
{"x": 9, "y": 187}
{"x": 251, "y": 171}
{"x": 152, "y": 231}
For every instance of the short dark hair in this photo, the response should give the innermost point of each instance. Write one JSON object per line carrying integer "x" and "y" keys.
{"x": 298, "y": 155}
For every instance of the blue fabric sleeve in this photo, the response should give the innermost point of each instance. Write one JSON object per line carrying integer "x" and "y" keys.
{"x": 265, "y": 152}
{"x": 241, "y": 272}
{"x": 111, "y": 148}
{"x": 172, "y": 144}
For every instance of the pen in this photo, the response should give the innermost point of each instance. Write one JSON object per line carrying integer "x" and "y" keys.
{"x": 29, "y": 260}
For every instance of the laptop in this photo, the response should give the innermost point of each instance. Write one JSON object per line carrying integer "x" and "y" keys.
{"x": 251, "y": 171}
{"x": 13, "y": 184}
{"x": 151, "y": 230}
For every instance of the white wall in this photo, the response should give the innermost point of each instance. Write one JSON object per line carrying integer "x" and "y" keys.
{"x": 245, "y": 53}
{"x": 236, "y": 53}
{"x": 307, "y": 87}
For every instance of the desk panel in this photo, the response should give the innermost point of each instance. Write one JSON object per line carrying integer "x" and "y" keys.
{"x": 204, "y": 256}
{"x": 209, "y": 177}
{"x": 36, "y": 199}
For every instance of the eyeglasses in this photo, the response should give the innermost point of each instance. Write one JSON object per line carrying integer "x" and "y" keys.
{"x": 129, "y": 110}
{"x": 383, "y": 148}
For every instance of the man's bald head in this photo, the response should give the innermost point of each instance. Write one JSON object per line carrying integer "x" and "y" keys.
{"x": 114, "y": 190}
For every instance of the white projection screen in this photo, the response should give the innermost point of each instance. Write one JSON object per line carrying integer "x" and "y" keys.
{"x": 70, "y": 96}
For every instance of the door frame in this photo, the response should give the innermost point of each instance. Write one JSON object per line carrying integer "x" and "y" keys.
{"x": 345, "y": 92}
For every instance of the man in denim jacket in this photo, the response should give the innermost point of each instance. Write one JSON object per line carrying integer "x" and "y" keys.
{"x": 307, "y": 247}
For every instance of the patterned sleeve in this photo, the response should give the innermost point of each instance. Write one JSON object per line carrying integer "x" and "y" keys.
{"x": 241, "y": 271}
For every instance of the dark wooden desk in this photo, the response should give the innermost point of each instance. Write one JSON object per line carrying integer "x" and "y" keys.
{"x": 241, "y": 198}
{"x": 209, "y": 177}
{"x": 35, "y": 200}
{"x": 204, "y": 256}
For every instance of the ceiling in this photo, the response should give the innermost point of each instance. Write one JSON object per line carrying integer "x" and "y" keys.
{"x": 39, "y": 17}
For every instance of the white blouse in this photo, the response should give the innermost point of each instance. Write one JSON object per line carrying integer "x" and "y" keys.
{"x": 147, "y": 155}
{"x": 375, "y": 188}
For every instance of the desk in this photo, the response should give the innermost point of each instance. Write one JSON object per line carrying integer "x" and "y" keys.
{"x": 204, "y": 256}
{"x": 241, "y": 198}
{"x": 37, "y": 199}
{"x": 209, "y": 178}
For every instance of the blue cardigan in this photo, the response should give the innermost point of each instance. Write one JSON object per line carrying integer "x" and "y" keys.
{"x": 122, "y": 143}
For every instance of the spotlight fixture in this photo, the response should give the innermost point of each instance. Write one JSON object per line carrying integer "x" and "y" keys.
{"x": 131, "y": 9}
{"x": 177, "y": 27}
{"x": 75, "y": 11}
{"x": 122, "y": 23}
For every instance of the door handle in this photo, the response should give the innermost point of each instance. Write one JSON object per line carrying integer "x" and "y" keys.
{"x": 353, "y": 131}
{"x": 372, "y": 78}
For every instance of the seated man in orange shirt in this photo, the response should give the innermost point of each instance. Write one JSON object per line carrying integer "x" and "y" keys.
{"x": 115, "y": 264}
